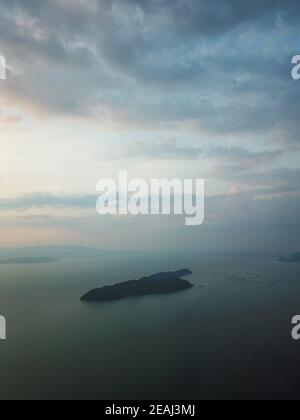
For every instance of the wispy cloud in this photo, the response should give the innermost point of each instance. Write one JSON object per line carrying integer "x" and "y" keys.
{"x": 41, "y": 200}
{"x": 167, "y": 149}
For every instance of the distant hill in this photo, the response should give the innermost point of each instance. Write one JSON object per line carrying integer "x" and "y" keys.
{"x": 161, "y": 283}
{"x": 293, "y": 258}
{"x": 28, "y": 260}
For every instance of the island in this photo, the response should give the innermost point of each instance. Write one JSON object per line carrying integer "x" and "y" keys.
{"x": 160, "y": 283}
{"x": 293, "y": 258}
{"x": 29, "y": 260}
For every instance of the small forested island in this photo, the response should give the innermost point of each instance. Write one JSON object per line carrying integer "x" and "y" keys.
{"x": 160, "y": 283}
{"x": 293, "y": 258}
{"x": 29, "y": 260}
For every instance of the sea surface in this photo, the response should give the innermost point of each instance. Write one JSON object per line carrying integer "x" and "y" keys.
{"x": 227, "y": 338}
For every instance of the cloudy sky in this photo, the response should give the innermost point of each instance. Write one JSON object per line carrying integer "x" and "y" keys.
{"x": 160, "y": 88}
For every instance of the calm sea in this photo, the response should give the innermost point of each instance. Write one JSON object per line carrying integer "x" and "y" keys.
{"x": 228, "y": 337}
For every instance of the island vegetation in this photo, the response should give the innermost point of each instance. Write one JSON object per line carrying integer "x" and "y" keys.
{"x": 160, "y": 283}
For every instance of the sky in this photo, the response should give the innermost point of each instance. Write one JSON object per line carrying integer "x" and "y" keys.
{"x": 161, "y": 89}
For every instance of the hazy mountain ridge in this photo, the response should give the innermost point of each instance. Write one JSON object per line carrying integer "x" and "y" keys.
{"x": 52, "y": 252}
{"x": 29, "y": 260}
{"x": 293, "y": 258}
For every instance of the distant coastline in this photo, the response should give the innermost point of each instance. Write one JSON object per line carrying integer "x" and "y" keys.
{"x": 29, "y": 260}
{"x": 48, "y": 254}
